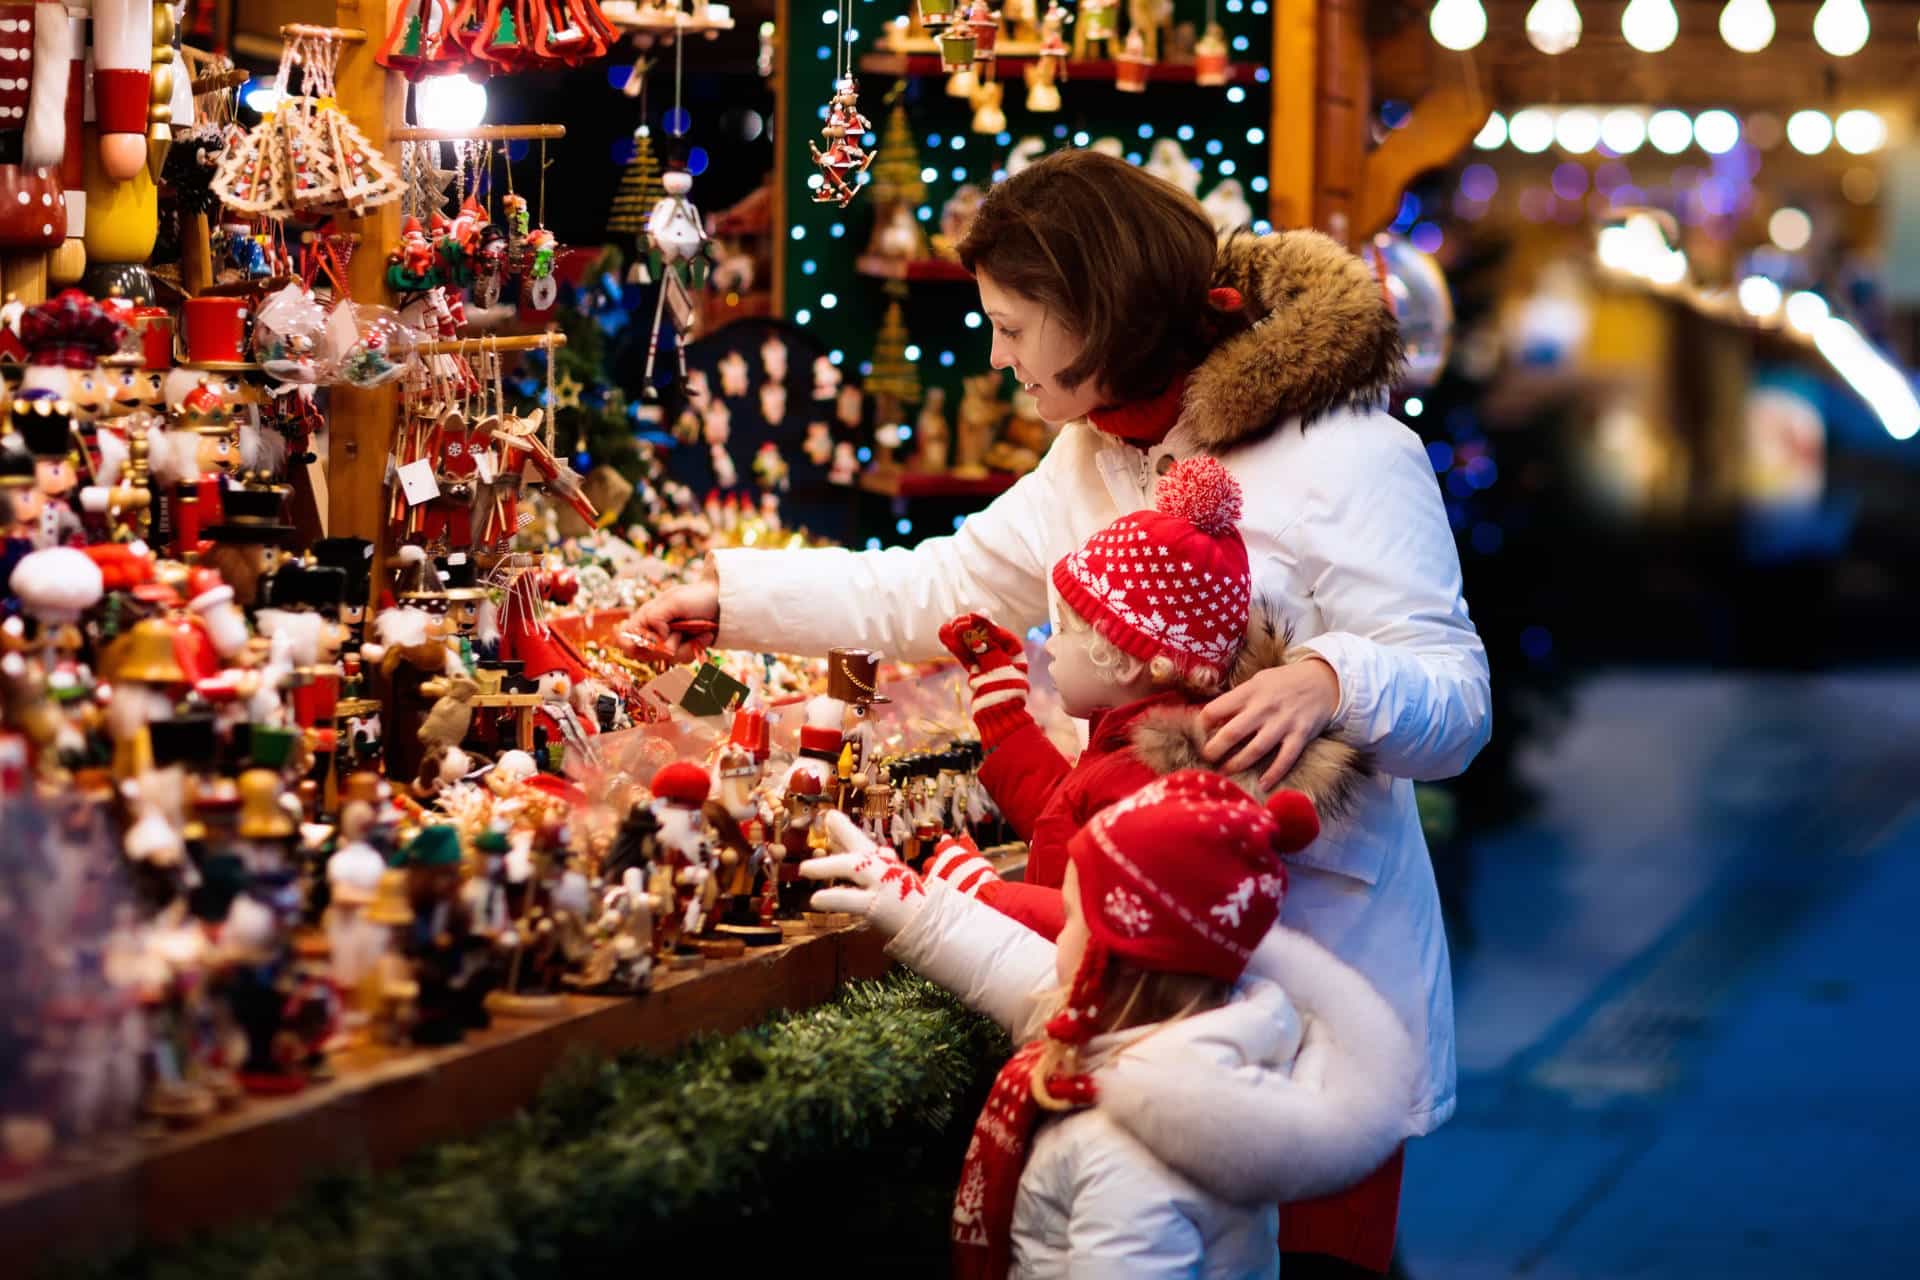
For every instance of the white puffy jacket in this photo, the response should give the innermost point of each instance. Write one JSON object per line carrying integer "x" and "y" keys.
{"x": 1093, "y": 1203}
{"x": 1115, "y": 1191}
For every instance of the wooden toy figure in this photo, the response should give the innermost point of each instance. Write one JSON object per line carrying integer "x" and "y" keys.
{"x": 449, "y": 959}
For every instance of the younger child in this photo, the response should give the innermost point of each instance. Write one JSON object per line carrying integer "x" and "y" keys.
{"x": 1154, "y": 611}
{"x": 1166, "y": 895}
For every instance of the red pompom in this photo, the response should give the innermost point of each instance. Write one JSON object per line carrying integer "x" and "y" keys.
{"x": 682, "y": 782}
{"x": 1201, "y": 491}
{"x": 1296, "y": 824}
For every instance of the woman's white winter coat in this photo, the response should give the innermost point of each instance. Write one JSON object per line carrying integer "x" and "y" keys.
{"x": 1348, "y": 541}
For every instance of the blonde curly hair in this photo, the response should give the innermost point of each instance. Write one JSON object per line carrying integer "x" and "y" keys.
{"x": 1124, "y": 668}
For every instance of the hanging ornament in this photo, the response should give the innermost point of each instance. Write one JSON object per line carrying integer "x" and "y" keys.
{"x": 845, "y": 159}
{"x": 1553, "y": 26}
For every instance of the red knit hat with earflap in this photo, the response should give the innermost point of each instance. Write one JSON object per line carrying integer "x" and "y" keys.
{"x": 1182, "y": 876}
{"x": 1171, "y": 581}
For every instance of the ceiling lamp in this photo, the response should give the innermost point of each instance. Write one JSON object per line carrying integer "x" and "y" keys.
{"x": 1810, "y": 132}
{"x": 1746, "y": 25}
{"x": 1553, "y": 26}
{"x": 1458, "y": 24}
{"x": 1670, "y": 132}
{"x": 1841, "y": 27}
{"x": 1717, "y": 132}
{"x": 1622, "y": 130}
{"x": 1577, "y": 131}
{"x": 1651, "y": 25}
{"x": 1859, "y": 132}
{"x": 1530, "y": 131}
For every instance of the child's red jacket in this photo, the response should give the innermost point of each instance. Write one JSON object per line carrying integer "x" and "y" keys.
{"x": 1046, "y": 799}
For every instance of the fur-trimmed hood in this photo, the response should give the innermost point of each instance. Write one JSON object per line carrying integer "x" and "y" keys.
{"x": 1323, "y": 339}
{"x": 1329, "y": 771}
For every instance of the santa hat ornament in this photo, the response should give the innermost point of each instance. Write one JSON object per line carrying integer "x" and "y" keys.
{"x": 1171, "y": 581}
{"x": 1183, "y": 876}
{"x": 681, "y": 785}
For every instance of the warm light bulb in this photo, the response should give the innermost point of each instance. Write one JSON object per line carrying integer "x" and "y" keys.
{"x": 449, "y": 102}
{"x": 1805, "y": 310}
{"x": 1493, "y": 134}
{"x": 1553, "y": 26}
{"x": 1746, "y": 25}
{"x": 1530, "y": 131}
{"x": 1458, "y": 24}
{"x": 1623, "y": 130}
{"x": 1859, "y": 132}
{"x": 1810, "y": 132}
{"x": 1790, "y": 229}
{"x": 1717, "y": 132}
{"x": 1577, "y": 131}
{"x": 1841, "y": 27}
{"x": 1652, "y": 25}
{"x": 1759, "y": 296}
{"x": 1670, "y": 132}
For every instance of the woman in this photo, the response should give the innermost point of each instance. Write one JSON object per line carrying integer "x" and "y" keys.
{"x": 1112, "y": 304}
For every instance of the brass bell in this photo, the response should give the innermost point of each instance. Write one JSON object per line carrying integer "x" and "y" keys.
{"x": 261, "y": 817}
{"x": 390, "y": 905}
{"x": 146, "y": 654}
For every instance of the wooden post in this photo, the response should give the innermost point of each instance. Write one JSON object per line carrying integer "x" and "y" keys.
{"x": 1292, "y": 141}
{"x": 362, "y": 421}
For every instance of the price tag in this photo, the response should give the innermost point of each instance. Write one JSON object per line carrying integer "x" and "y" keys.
{"x": 417, "y": 482}
{"x": 484, "y": 467}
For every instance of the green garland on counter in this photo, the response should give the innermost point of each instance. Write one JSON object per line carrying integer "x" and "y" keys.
{"x": 825, "y": 1138}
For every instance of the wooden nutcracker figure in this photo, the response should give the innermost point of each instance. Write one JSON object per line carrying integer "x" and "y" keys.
{"x": 46, "y": 425}
{"x": 852, "y": 680}
{"x": 680, "y": 797}
{"x": 739, "y": 827}
{"x": 191, "y": 462}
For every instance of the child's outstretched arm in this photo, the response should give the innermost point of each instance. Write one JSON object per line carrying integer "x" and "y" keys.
{"x": 993, "y": 963}
{"x": 1250, "y": 1134}
{"x": 1022, "y": 767}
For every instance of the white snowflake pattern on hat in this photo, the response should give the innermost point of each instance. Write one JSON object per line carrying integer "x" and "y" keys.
{"x": 1127, "y": 912}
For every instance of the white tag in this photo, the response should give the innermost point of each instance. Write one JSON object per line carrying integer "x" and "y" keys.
{"x": 417, "y": 482}
{"x": 483, "y": 466}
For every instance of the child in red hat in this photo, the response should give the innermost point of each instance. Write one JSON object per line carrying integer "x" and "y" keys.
{"x": 1153, "y": 612}
{"x": 1167, "y": 895}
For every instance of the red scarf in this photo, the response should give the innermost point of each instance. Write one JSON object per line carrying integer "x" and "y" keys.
{"x": 997, "y": 1155}
{"x": 1144, "y": 422}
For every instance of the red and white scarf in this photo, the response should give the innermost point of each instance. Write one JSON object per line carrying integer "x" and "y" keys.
{"x": 997, "y": 1155}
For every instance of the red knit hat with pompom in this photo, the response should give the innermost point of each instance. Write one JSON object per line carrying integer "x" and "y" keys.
{"x": 1171, "y": 581}
{"x": 1182, "y": 876}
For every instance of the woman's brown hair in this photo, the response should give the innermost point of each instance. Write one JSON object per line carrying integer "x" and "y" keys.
{"x": 1123, "y": 258}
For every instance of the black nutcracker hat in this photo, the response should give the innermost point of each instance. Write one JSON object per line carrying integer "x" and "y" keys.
{"x": 457, "y": 573}
{"x": 16, "y": 468}
{"x": 252, "y": 514}
{"x": 45, "y": 423}
{"x": 300, "y": 586}
{"x": 353, "y": 557}
{"x": 187, "y": 740}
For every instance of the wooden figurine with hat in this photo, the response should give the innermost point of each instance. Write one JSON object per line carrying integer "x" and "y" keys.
{"x": 190, "y": 463}
{"x": 679, "y": 799}
{"x": 68, "y": 340}
{"x": 45, "y": 424}
{"x": 246, "y": 539}
{"x": 740, "y": 821}
{"x": 449, "y": 958}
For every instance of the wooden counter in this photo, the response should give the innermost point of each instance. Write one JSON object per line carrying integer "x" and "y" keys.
{"x": 386, "y": 1104}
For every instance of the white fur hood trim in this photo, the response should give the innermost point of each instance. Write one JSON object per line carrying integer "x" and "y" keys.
{"x": 1254, "y": 1135}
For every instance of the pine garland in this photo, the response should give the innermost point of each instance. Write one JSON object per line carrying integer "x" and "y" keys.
{"x": 828, "y": 1136}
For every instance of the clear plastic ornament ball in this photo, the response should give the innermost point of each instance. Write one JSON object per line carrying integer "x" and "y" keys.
{"x": 378, "y": 347}
{"x": 1423, "y": 306}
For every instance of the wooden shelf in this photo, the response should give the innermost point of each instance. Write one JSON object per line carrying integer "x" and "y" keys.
{"x": 385, "y": 1104}
{"x": 1095, "y": 71}
{"x": 882, "y": 268}
{"x": 918, "y": 484}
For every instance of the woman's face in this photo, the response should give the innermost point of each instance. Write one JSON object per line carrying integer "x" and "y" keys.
{"x": 1072, "y": 943}
{"x": 1034, "y": 343}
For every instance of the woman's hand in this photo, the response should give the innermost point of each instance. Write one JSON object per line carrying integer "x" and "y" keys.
{"x": 698, "y": 601}
{"x": 1285, "y": 707}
